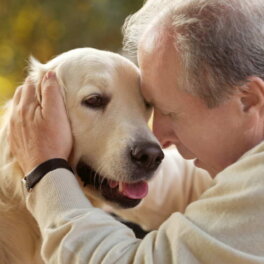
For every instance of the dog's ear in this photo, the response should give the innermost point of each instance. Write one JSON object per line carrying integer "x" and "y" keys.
{"x": 36, "y": 72}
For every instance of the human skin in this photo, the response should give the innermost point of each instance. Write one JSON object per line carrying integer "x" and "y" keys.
{"x": 214, "y": 137}
{"x": 39, "y": 130}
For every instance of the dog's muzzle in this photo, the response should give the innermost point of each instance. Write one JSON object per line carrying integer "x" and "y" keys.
{"x": 145, "y": 157}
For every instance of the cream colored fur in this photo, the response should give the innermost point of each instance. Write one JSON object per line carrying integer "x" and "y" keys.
{"x": 100, "y": 137}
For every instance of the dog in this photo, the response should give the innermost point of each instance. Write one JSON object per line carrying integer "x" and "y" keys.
{"x": 114, "y": 152}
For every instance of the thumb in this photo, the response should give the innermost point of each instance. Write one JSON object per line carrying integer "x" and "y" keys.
{"x": 51, "y": 96}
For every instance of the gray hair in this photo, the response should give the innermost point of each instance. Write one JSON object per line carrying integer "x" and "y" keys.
{"x": 221, "y": 42}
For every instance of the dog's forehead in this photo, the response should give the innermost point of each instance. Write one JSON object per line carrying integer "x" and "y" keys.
{"x": 88, "y": 60}
{"x": 104, "y": 71}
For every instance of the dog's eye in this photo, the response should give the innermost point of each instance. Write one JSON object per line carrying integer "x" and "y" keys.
{"x": 95, "y": 101}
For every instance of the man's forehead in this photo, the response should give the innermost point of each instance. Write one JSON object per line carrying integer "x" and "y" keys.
{"x": 160, "y": 72}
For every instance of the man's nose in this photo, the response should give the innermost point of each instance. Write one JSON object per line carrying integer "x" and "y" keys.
{"x": 162, "y": 129}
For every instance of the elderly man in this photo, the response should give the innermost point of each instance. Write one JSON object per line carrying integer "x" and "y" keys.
{"x": 202, "y": 65}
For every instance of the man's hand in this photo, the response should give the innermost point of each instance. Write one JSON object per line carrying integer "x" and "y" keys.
{"x": 39, "y": 130}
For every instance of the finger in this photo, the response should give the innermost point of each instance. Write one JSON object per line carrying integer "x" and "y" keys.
{"x": 17, "y": 95}
{"x": 28, "y": 95}
{"x": 52, "y": 99}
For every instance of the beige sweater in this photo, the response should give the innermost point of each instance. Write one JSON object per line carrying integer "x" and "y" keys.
{"x": 225, "y": 225}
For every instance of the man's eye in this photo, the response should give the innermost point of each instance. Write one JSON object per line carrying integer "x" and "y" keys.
{"x": 173, "y": 116}
{"x": 148, "y": 105}
{"x": 95, "y": 101}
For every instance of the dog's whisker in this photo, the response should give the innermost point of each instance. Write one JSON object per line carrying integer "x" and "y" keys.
{"x": 100, "y": 176}
{"x": 102, "y": 179}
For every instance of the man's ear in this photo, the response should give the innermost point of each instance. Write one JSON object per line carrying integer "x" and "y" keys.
{"x": 252, "y": 95}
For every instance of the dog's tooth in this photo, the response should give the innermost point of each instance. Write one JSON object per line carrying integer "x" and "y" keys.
{"x": 112, "y": 184}
{"x": 120, "y": 187}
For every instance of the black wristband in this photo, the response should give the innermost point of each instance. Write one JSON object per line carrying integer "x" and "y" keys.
{"x": 39, "y": 172}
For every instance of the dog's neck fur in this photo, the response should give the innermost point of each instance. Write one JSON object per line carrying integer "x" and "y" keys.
{"x": 20, "y": 236}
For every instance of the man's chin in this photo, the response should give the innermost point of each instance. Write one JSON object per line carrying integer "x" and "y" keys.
{"x": 199, "y": 164}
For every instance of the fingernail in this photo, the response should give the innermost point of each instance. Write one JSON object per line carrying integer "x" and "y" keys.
{"x": 50, "y": 75}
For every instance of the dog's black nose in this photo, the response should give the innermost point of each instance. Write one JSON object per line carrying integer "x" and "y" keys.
{"x": 147, "y": 155}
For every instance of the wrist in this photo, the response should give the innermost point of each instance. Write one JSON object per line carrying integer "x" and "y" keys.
{"x": 32, "y": 178}
{"x": 36, "y": 161}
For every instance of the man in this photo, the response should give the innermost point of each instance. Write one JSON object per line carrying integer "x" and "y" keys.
{"x": 202, "y": 69}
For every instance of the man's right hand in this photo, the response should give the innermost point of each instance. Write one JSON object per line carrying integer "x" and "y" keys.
{"x": 39, "y": 130}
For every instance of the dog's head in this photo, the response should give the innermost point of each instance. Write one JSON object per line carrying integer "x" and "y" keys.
{"x": 114, "y": 152}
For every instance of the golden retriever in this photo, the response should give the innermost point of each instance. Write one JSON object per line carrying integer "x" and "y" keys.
{"x": 114, "y": 152}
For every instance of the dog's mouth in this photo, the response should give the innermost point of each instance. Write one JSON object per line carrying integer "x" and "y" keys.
{"x": 125, "y": 194}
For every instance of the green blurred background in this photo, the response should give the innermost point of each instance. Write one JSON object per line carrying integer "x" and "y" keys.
{"x": 45, "y": 28}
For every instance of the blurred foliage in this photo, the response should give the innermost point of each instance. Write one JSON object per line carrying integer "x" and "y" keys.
{"x": 45, "y": 28}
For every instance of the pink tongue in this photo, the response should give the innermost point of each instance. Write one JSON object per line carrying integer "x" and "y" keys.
{"x": 136, "y": 190}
